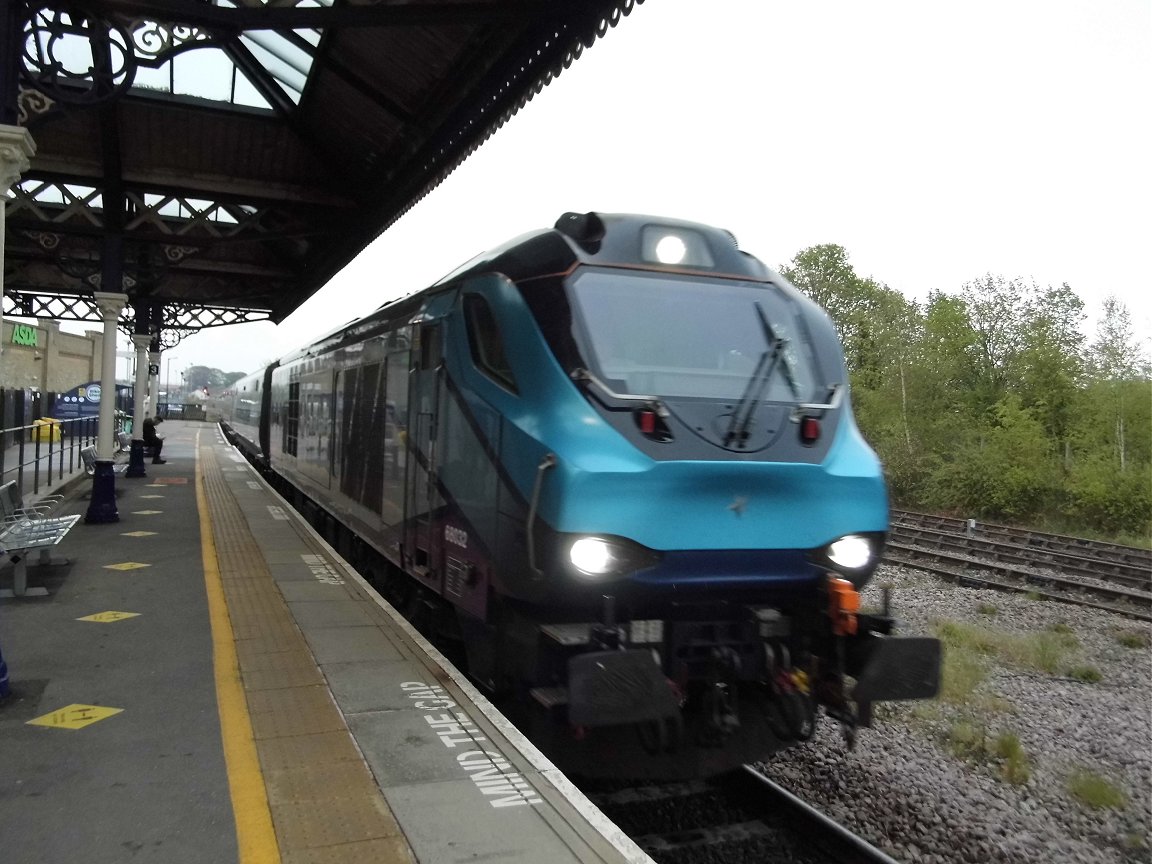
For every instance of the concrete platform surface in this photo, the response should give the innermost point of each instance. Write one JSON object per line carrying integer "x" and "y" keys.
{"x": 205, "y": 680}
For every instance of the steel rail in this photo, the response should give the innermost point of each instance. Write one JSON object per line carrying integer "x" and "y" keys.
{"x": 915, "y": 556}
{"x": 846, "y": 846}
{"x": 1028, "y": 538}
{"x": 1079, "y": 565}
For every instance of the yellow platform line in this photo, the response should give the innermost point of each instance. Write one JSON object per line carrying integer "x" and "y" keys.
{"x": 255, "y": 836}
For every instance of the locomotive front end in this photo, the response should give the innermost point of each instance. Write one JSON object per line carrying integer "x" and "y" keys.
{"x": 703, "y": 532}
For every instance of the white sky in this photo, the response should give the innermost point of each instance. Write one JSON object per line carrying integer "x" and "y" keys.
{"x": 936, "y": 142}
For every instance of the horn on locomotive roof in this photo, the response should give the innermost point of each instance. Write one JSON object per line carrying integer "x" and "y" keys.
{"x": 587, "y": 229}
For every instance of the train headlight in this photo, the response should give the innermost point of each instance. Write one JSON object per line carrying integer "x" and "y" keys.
{"x": 675, "y": 247}
{"x": 850, "y": 552}
{"x": 602, "y": 558}
{"x": 594, "y": 556}
{"x": 853, "y": 556}
{"x": 670, "y": 249}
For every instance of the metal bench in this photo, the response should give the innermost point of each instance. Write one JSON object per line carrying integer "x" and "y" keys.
{"x": 29, "y": 529}
{"x": 124, "y": 442}
{"x": 88, "y": 457}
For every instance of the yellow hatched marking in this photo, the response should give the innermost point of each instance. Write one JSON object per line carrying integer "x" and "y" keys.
{"x": 138, "y": 534}
{"x": 146, "y": 512}
{"x": 109, "y": 616}
{"x": 127, "y": 565}
{"x": 75, "y": 716}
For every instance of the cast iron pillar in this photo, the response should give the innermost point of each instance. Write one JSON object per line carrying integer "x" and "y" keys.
{"x": 136, "y": 459}
{"x": 102, "y": 505}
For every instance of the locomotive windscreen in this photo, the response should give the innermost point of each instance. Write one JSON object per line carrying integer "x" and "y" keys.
{"x": 689, "y": 338}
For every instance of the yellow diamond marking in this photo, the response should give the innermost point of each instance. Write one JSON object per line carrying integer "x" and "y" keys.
{"x": 109, "y": 616}
{"x": 138, "y": 534}
{"x": 74, "y": 716}
{"x": 127, "y": 565}
{"x": 146, "y": 512}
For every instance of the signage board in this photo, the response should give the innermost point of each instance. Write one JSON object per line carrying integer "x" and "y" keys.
{"x": 84, "y": 401}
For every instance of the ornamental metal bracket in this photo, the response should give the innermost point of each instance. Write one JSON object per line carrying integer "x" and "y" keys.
{"x": 179, "y": 320}
{"x": 116, "y": 48}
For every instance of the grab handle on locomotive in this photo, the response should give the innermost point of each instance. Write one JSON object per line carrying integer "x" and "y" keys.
{"x": 549, "y": 461}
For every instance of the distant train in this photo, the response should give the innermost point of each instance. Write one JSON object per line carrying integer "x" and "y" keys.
{"x": 615, "y": 463}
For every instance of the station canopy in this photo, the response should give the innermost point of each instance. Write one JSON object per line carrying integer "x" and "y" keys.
{"x": 220, "y": 161}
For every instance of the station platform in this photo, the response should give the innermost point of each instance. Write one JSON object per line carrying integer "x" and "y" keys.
{"x": 206, "y": 680}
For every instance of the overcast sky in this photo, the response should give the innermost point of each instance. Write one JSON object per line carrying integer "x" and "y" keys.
{"x": 936, "y": 142}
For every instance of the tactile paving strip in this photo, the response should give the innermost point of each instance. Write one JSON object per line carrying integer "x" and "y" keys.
{"x": 326, "y": 806}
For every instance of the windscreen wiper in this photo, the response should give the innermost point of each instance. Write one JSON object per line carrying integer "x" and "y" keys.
{"x": 777, "y": 353}
{"x": 770, "y": 334}
{"x": 753, "y": 391}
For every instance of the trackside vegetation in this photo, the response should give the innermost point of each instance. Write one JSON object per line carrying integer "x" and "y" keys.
{"x": 991, "y": 403}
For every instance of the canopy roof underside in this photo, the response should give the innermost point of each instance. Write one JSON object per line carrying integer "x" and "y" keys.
{"x": 235, "y": 154}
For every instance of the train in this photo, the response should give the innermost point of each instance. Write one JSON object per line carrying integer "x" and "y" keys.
{"x": 614, "y": 465}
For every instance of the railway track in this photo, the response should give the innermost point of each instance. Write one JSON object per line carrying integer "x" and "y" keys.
{"x": 740, "y": 817}
{"x": 1034, "y": 540}
{"x": 1071, "y": 570}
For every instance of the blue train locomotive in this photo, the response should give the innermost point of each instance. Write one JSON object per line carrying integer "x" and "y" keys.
{"x": 615, "y": 463}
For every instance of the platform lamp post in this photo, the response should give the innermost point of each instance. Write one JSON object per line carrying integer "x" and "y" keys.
{"x": 102, "y": 505}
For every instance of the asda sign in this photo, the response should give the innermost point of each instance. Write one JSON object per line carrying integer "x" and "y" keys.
{"x": 24, "y": 334}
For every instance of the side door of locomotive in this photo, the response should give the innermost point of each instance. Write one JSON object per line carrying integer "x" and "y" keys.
{"x": 423, "y": 531}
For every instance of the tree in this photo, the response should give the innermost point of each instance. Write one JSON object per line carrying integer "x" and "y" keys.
{"x": 824, "y": 274}
{"x": 1001, "y": 468}
{"x": 1115, "y": 359}
{"x": 863, "y": 310}
{"x": 995, "y": 309}
{"x": 1047, "y": 370}
{"x": 209, "y": 378}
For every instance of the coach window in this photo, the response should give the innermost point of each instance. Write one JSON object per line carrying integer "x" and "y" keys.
{"x": 485, "y": 342}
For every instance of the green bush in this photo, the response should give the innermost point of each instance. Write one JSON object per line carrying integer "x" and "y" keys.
{"x": 1100, "y": 495}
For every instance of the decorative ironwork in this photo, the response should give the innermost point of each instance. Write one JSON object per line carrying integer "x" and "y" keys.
{"x": 61, "y": 307}
{"x": 78, "y": 268}
{"x": 181, "y": 216}
{"x": 57, "y": 68}
{"x": 176, "y": 254}
{"x": 161, "y": 40}
{"x": 179, "y": 319}
{"x": 32, "y": 103}
{"x": 46, "y": 240}
{"x": 127, "y": 282}
{"x": 57, "y": 203}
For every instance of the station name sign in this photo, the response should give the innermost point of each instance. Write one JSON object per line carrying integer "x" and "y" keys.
{"x": 24, "y": 334}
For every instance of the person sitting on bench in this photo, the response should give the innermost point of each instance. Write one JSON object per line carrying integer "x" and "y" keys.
{"x": 152, "y": 440}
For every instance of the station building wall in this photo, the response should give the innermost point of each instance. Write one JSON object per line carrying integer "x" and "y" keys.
{"x": 40, "y": 356}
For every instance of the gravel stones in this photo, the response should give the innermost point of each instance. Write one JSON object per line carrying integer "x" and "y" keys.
{"x": 905, "y": 790}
